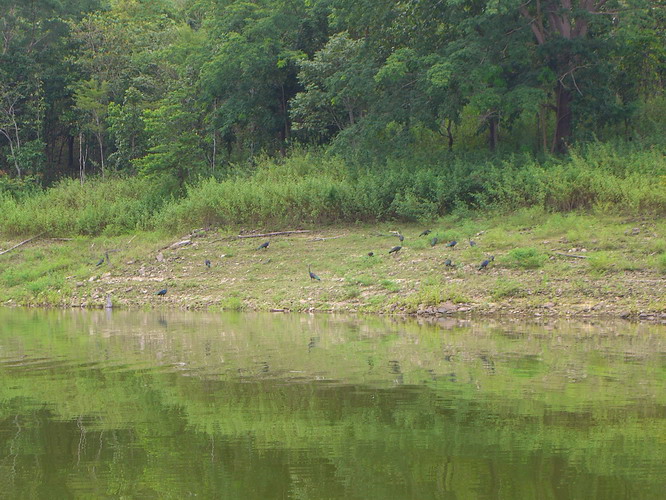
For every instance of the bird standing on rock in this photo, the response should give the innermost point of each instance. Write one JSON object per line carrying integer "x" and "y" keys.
{"x": 161, "y": 292}
{"x": 425, "y": 233}
{"x": 313, "y": 276}
{"x": 485, "y": 263}
{"x": 263, "y": 245}
{"x": 395, "y": 249}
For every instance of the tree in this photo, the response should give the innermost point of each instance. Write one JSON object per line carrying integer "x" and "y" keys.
{"x": 571, "y": 36}
{"x": 92, "y": 103}
{"x": 338, "y": 87}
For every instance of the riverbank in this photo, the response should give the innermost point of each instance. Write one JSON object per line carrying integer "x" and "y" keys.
{"x": 545, "y": 265}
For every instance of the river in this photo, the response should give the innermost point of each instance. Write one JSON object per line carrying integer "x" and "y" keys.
{"x": 115, "y": 404}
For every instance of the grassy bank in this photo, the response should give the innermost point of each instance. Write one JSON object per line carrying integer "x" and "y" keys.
{"x": 537, "y": 268}
{"x": 309, "y": 188}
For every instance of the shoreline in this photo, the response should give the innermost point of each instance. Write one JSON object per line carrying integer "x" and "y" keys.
{"x": 576, "y": 266}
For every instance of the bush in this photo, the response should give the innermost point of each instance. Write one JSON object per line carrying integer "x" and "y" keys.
{"x": 309, "y": 188}
{"x": 507, "y": 288}
{"x": 109, "y": 206}
{"x": 525, "y": 258}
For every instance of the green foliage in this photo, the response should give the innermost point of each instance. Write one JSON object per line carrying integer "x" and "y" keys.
{"x": 525, "y": 258}
{"x": 312, "y": 187}
{"x": 602, "y": 262}
{"x": 232, "y": 303}
{"x": 661, "y": 262}
{"x": 112, "y": 206}
{"x": 504, "y": 288}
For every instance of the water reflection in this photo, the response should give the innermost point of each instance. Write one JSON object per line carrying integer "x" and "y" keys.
{"x": 171, "y": 405}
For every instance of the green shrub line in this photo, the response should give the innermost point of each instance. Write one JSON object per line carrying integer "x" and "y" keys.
{"x": 315, "y": 188}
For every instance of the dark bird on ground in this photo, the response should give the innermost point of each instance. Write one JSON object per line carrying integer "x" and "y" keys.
{"x": 395, "y": 249}
{"x": 449, "y": 263}
{"x": 207, "y": 262}
{"x": 401, "y": 237}
{"x": 370, "y": 254}
{"x": 485, "y": 263}
{"x": 105, "y": 257}
{"x": 452, "y": 243}
{"x": 313, "y": 276}
{"x": 472, "y": 243}
{"x": 425, "y": 233}
{"x": 263, "y": 245}
{"x": 161, "y": 292}
{"x": 434, "y": 241}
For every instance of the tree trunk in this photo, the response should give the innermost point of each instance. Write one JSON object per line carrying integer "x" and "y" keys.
{"x": 100, "y": 141}
{"x": 449, "y": 134}
{"x": 70, "y": 151}
{"x": 83, "y": 156}
{"x": 493, "y": 127}
{"x": 563, "y": 119}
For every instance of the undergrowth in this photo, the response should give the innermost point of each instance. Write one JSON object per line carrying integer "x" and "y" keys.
{"x": 308, "y": 189}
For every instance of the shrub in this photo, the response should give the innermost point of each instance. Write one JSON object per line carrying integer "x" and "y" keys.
{"x": 507, "y": 288}
{"x": 525, "y": 258}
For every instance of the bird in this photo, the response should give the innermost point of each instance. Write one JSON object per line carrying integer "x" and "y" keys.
{"x": 370, "y": 254}
{"x": 472, "y": 243}
{"x": 485, "y": 263}
{"x": 163, "y": 291}
{"x": 313, "y": 276}
{"x": 263, "y": 245}
{"x": 207, "y": 262}
{"x": 395, "y": 249}
{"x": 452, "y": 243}
{"x": 100, "y": 262}
{"x": 449, "y": 263}
{"x": 425, "y": 233}
{"x": 434, "y": 241}
{"x": 401, "y": 237}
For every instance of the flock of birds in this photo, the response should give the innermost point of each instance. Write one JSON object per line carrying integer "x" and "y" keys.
{"x": 451, "y": 244}
{"x": 264, "y": 246}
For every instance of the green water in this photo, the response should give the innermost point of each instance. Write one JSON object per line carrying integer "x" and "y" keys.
{"x": 252, "y": 406}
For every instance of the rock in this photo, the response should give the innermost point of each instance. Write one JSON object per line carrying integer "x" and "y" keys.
{"x": 92, "y": 278}
{"x": 181, "y": 244}
{"x": 159, "y": 257}
{"x": 625, "y": 314}
{"x": 549, "y": 305}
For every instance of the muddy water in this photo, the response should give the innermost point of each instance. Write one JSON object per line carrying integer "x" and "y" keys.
{"x": 252, "y": 406}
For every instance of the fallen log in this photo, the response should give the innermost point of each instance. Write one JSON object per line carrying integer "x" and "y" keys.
{"x": 279, "y": 233}
{"x": 573, "y": 256}
{"x": 329, "y": 238}
{"x": 22, "y": 243}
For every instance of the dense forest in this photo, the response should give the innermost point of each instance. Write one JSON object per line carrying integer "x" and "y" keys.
{"x": 194, "y": 89}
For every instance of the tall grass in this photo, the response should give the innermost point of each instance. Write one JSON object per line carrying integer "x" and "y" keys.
{"x": 111, "y": 206}
{"x": 309, "y": 188}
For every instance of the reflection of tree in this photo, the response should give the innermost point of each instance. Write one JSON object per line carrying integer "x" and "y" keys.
{"x": 146, "y": 429}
